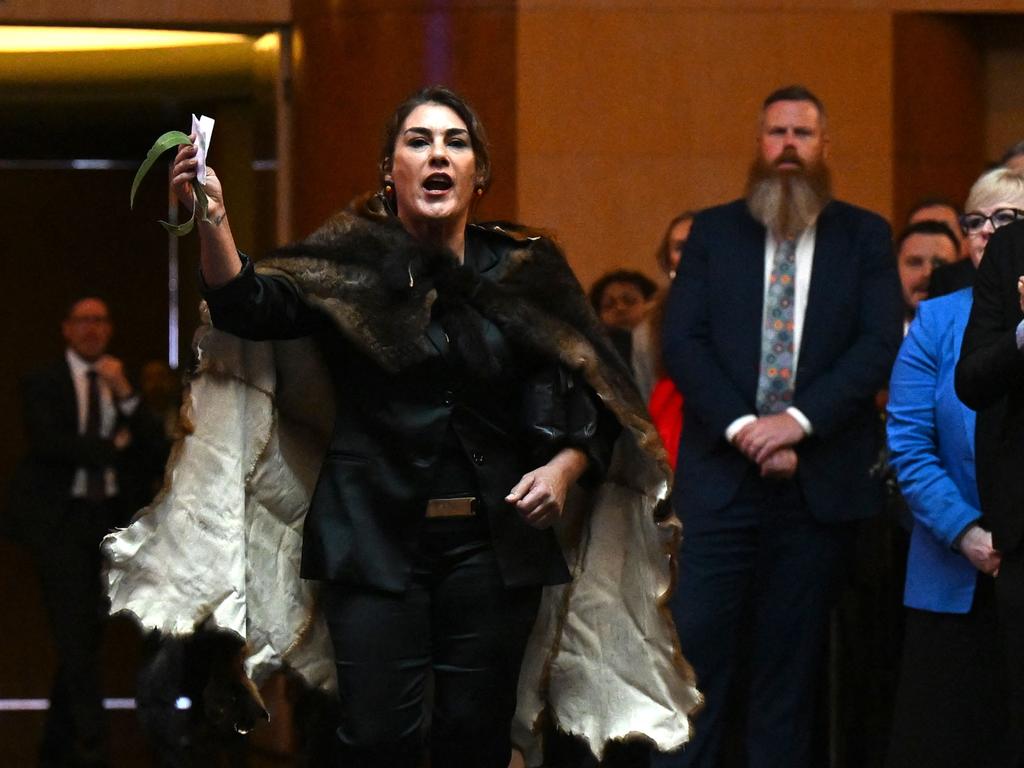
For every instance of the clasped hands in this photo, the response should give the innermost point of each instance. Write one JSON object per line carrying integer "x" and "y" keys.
{"x": 769, "y": 441}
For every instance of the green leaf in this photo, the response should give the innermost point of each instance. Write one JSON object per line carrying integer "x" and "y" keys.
{"x": 202, "y": 204}
{"x": 161, "y": 145}
{"x": 202, "y": 201}
{"x": 178, "y": 230}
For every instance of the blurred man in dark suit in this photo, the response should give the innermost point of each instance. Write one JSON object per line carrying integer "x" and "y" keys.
{"x": 88, "y": 442}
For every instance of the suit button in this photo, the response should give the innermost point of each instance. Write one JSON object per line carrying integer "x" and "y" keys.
{"x": 449, "y": 397}
{"x": 478, "y": 458}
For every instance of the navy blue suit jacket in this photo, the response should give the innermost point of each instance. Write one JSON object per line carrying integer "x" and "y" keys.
{"x": 851, "y": 333}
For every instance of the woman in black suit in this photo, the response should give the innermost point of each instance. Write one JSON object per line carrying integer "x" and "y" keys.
{"x": 455, "y": 442}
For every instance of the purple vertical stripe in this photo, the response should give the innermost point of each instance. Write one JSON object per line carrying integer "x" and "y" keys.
{"x": 437, "y": 65}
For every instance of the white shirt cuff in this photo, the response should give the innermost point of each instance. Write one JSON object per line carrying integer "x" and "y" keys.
{"x": 733, "y": 429}
{"x": 802, "y": 420}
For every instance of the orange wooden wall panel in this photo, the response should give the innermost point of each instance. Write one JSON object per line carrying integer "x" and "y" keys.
{"x": 939, "y": 108}
{"x": 1003, "y": 73}
{"x": 145, "y": 12}
{"x": 626, "y": 118}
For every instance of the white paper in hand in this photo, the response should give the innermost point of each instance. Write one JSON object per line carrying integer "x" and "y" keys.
{"x": 202, "y": 127}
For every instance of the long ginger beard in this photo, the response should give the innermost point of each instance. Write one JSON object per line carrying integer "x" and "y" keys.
{"x": 787, "y": 201}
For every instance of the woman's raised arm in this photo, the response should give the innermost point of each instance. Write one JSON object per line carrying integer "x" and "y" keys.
{"x": 218, "y": 255}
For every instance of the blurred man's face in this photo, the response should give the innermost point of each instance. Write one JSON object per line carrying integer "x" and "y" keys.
{"x": 919, "y": 255}
{"x": 947, "y": 216}
{"x": 87, "y": 329}
{"x": 622, "y": 306}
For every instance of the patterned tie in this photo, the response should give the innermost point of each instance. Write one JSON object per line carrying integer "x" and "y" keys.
{"x": 775, "y": 383}
{"x": 95, "y": 487}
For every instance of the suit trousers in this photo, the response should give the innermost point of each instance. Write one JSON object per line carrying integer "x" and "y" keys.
{"x": 456, "y": 620}
{"x": 1010, "y": 610}
{"x": 76, "y": 610}
{"x": 756, "y": 581}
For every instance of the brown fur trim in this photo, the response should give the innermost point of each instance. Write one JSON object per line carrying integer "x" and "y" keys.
{"x": 378, "y": 284}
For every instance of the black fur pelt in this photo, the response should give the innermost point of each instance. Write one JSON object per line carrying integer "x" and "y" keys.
{"x": 379, "y": 284}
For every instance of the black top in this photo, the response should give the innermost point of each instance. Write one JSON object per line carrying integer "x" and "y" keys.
{"x": 990, "y": 380}
{"x": 470, "y": 418}
{"x": 951, "y": 277}
{"x": 455, "y": 476}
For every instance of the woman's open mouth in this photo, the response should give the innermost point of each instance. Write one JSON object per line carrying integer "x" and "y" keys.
{"x": 438, "y": 183}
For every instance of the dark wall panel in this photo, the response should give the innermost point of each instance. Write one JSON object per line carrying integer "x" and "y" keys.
{"x": 66, "y": 234}
{"x": 356, "y": 60}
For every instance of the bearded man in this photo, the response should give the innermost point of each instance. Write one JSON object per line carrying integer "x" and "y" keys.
{"x": 782, "y": 324}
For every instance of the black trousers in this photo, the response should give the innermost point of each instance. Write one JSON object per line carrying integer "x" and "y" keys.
{"x": 564, "y": 751}
{"x": 1009, "y": 586}
{"x": 765, "y": 570}
{"x": 76, "y": 609}
{"x": 950, "y": 705}
{"x": 457, "y": 620}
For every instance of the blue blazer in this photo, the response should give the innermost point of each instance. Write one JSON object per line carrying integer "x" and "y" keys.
{"x": 931, "y": 439}
{"x": 712, "y": 347}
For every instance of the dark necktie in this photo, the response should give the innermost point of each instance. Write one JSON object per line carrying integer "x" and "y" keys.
{"x": 95, "y": 487}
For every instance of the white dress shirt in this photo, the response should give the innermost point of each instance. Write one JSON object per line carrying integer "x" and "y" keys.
{"x": 109, "y": 411}
{"x": 802, "y": 281}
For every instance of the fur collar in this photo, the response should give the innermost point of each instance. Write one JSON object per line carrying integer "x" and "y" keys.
{"x": 378, "y": 285}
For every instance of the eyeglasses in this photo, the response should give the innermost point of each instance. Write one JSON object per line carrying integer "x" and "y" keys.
{"x": 975, "y": 222}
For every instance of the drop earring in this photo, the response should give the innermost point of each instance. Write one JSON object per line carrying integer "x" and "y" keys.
{"x": 387, "y": 197}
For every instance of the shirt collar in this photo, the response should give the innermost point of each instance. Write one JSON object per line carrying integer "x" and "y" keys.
{"x": 79, "y": 366}
{"x": 805, "y": 236}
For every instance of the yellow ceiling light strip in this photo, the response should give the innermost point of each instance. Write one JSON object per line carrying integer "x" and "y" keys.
{"x": 268, "y": 43}
{"x": 51, "y": 39}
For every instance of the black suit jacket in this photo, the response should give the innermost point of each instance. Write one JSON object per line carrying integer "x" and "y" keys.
{"x": 41, "y": 486}
{"x": 951, "y": 277}
{"x": 369, "y": 502}
{"x": 990, "y": 379}
{"x": 851, "y": 333}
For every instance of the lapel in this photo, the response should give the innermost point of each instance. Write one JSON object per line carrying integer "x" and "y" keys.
{"x": 68, "y": 396}
{"x": 746, "y": 297}
{"x": 439, "y": 339}
{"x": 960, "y": 317}
{"x": 829, "y": 245}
